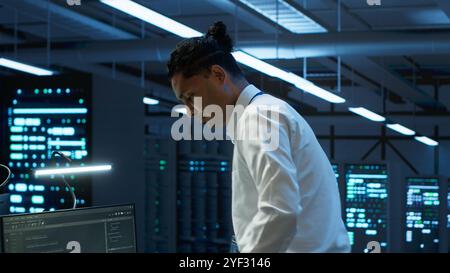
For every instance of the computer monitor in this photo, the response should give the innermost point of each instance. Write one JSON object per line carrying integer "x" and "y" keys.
{"x": 88, "y": 230}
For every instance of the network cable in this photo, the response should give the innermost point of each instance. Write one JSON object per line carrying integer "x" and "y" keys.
{"x": 4, "y": 182}
{"x": 72, "y": 192}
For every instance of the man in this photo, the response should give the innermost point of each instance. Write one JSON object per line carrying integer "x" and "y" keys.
{"x": 284, "y": 198}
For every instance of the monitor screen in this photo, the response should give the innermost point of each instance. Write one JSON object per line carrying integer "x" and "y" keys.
{"x": 43, "y": 115}
{"x": 87, "y": 230}
{"x": 365, "y": 205}
{"x": 422, "y": 214}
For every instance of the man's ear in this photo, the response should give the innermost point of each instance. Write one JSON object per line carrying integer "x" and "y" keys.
{"x": 218, "y": 73}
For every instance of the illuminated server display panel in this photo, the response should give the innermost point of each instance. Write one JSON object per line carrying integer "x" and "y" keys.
{"x": 43, "y": 115}
{"x": 365, "y": 204}
{"x": 422, "y": 214}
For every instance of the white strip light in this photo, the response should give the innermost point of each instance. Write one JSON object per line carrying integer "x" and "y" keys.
{"x": 367, "y": 114}
{"x": 426, "y": 140}
{"x": 150, "y": 101}
{"x": 145, "y": 14}
{"x": 401, "y": 129}
{"x": 74, "y": 170}
{"x": 320, "y": 92}
{"x": 262, "y": 66}
{"x": 181, "y": 30}
{"x": 25, "y": 67}
{"x": 289, "y": 77}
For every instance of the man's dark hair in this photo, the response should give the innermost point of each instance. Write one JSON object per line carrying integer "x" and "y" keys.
{"x": 196, "y": 55}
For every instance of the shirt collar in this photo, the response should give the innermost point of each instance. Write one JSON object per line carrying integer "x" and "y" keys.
{"x": 243, "y": 101}
{"x": 247, "y": 94}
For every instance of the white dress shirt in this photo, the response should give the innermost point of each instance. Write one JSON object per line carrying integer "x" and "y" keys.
{"x": 285, "y": 199}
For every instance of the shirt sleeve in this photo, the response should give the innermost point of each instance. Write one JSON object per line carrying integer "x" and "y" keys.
{"x": 274, "y": 173}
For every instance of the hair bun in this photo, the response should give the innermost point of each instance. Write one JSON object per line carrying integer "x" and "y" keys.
{"x": 218, "y": 31}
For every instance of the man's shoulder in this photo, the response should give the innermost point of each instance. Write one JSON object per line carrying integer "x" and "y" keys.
{"x": 268, "y": 103}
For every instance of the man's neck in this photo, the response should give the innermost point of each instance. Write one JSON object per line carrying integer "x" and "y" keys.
{"x": 239, "y": 87}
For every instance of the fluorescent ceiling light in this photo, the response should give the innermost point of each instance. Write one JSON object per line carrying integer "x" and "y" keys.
{"x": 262, "y": 66}
{"x": 25, "y": 67}
{"x": 427, "y": 141}
{"x": 367, "y": 114}
{"x": 74, "y": 170}
{"x": 150, "y": 101}
{"x": 401, "y": 129}
{"x": 321, "y": 93}
{"x": 152, "y": 17}
{"x": 285, "y": 15}
{"x": 289, "y": 77}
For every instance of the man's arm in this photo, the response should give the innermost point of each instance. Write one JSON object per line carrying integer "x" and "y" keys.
{"x": 274, "y": 173}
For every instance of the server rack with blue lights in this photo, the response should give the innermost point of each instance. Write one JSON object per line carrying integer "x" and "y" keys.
{"x": 45, "y": 115}
{"x": 188, "y": 196}
{"x": 365, "y": 205}
{"x": 422, "y": 214}
{"x": 204, "y": 196}
{"x": 160, "y": 194}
